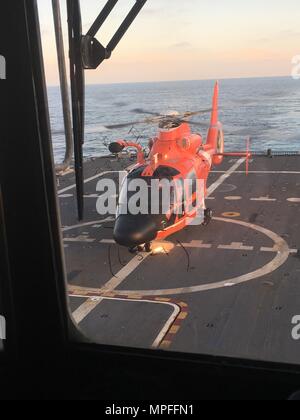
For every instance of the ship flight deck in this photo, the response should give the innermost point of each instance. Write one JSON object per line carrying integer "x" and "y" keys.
{"x": 231, "y": 288}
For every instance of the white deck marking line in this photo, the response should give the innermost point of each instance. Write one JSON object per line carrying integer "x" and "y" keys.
{"x": 281, "y": 257}
{"x": 80, "y": 238}
{"x": 91, "y": 196}
{"x": 87, "y": 307}
{"x": 192, "y": 244}
{"x": 83, "y": 310}
{"x": 196, "y": 244}
{"x": 113, "y": 283}
{"x": 294, "y": 200}
{"x": 233, "y": 198}
{"x": 158, "y": 340}
{"x": 237, "y": 246}
{"x": 107, "y": 241}
{"x": 225, "y": 176}
{"x": 263, "y": 199}
{"x": 71, "y": 187}
{"x": 108, "y": 219}
{"x": 276, "y": 249}
{"x": 66, "y": 196}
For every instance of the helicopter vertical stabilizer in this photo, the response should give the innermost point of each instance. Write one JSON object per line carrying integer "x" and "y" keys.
{"x": 215, "y": 107}
{"x": 215, "y": 137}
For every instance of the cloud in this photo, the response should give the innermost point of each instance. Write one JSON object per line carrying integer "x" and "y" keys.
{"x": 289, "y": 34}
{"x": 181, "y": 46}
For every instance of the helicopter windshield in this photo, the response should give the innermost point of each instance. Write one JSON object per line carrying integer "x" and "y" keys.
{"x": 148, "y": 195}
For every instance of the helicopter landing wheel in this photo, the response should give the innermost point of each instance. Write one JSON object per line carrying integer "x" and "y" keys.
{"x": 208, "y": 215}
{"x": 133, "y": 250}
{"x": 141, "y": 248}
{"x": 148, "y": 247}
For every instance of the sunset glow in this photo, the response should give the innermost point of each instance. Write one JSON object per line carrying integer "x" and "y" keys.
{"x": 188, "y": 40}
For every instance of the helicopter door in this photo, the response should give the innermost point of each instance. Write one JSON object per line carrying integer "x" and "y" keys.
{"x": 179, "y": 208}
{"x": 191, "y": 192}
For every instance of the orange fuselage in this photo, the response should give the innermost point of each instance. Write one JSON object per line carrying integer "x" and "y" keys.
{"x": 189, "y": 158}
{"x": 184, "y": 151}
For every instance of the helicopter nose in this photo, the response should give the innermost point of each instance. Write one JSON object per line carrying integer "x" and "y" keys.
{"x": 131, "y": 231}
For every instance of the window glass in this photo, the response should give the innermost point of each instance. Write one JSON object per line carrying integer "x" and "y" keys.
{"x": 230, "y": 285}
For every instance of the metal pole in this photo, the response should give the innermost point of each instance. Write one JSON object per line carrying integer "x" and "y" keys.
{"x": 64, "y": 87}
{"x": 126, "y": 24}
{"x": 102, "y": 17}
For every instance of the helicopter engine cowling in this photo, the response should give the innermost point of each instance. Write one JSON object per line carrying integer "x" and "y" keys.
{"x": 190, "y": 144}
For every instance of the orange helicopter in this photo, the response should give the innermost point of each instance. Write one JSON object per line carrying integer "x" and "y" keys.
{"x": 175, "y": 154}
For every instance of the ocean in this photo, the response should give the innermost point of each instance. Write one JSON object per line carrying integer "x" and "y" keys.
{"x": 266, "y": 109}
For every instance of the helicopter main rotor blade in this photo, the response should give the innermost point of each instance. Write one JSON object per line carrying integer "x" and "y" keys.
{"x": 178, "y": 115}
{"x": 157, "y": 118}
{"x": 198, "y": 124}
{"x": 192, "y": 114}
{"x": 116, "y": 126}
{"x": 143, "y": 111}
{"x": 132, "y": 123}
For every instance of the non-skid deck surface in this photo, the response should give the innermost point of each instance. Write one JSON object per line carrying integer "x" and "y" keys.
{"x": 230, "y": 289}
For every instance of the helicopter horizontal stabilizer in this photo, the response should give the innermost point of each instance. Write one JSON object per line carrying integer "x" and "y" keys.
{"x": 247, "y": 154}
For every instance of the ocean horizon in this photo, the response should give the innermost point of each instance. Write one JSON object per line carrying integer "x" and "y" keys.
{"x": 265, "y": 108}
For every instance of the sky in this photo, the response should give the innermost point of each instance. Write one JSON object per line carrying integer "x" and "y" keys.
{"x": 187, "y": 40}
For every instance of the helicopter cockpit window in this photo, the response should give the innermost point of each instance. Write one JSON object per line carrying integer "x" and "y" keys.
{"x": 165, "y": 172}
{"x": 157, "y": 203}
